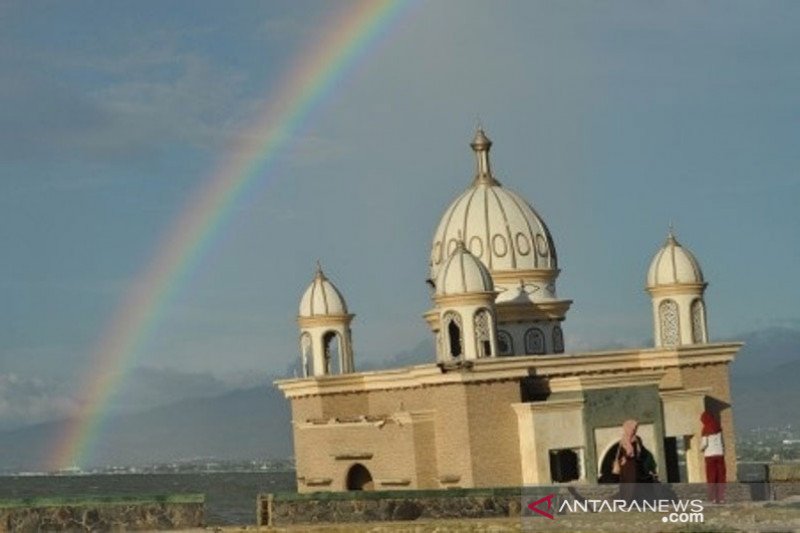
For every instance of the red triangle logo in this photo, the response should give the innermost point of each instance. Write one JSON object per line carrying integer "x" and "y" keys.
{"x": 534, "y": 506}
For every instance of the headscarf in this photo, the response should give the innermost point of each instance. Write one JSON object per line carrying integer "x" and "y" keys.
{"x": 628, "y": 436}
{"x": 710, "y": 423}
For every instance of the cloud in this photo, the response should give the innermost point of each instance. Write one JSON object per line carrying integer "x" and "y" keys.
{"x": 112, "y": 105}
{"x": 26, "y": 401}
{"x": 148, "y": 387}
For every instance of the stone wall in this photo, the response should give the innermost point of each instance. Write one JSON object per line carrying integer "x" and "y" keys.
{"x": 283, "y": 509}
{"x": 178, "y": 511}
{"x": 382, "y": 506}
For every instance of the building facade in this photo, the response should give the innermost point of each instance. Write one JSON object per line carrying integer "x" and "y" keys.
{"x": 501, "y": 404}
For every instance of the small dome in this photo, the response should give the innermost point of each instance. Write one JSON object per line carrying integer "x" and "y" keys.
{"x": 497, "y": 225}
{"x": 322, "y": 298}
{"x": 463, "y": 273}
{"x": 673, "y": 264}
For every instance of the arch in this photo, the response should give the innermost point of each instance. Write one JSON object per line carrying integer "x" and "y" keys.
{"x": 305, "y": 353}
{"x": 604, "y": 470}
{"x": 505, "y": 343}
{"x": 534, "y": 341}
{"x": 670, "y": 323}
{"x": 332, "y": 352}
{"x": 483, "y": 323}
{"x": 558, "y": 339}
{"x": 359, "y": 478}
{"x": 455, "y": 337}
{"x": 698, "y": 322}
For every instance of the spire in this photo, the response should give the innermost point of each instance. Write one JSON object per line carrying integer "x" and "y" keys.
{"x": 481, "y": 145}
{"x": 319, "y": 274}
{"x": 671, "y": 240}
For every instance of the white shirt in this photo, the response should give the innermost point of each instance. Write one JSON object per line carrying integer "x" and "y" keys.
{"x": 712, "y": 445}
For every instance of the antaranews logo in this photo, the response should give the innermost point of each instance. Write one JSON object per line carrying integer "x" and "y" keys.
{"x": 534, "y": 506}
{"x": 676, "y": 511}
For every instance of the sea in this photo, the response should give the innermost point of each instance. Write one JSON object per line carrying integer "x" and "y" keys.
{"x": 230, "y": 497}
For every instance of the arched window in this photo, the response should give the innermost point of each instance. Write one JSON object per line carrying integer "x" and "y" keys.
{"x": 359, "y": 478}
{"x": 332, "y": 351}
{"x": 483, "y": 332}
{"x": 670, "y": 327}
{"x": 558, "y": 340}
{"x": 698, "y": 322}
{"x": 534, "y": 341}
{"x": 305, "y": 353}
{"x": 455, "y": 339}
{"x": 505, "y": 344}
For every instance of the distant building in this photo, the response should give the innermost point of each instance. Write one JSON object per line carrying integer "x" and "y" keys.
{"x": 503, "y": 405}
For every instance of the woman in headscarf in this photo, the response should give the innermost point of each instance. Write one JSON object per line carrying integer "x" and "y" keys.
{"x": 628, "y": 455}
{"x": 714, "y": 452}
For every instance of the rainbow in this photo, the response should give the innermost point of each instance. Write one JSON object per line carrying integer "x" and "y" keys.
{"x": 346, "y": 40}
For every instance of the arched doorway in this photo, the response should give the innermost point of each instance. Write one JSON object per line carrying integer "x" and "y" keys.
{"x": 607, "y": 464}
{"x": 359, "y": 478}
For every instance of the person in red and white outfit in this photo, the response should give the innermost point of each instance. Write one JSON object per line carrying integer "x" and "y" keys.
{"x": 714, "y": 451}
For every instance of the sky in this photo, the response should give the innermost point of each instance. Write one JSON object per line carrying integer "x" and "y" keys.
{"x": 613, "y": 119}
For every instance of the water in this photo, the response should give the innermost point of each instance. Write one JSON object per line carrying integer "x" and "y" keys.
{"x": 230, "y": 497}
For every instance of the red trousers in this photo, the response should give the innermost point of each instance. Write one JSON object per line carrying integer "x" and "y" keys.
{"x": 715, "y": 477}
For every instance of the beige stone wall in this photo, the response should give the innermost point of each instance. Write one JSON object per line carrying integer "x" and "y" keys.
{"x": 453, "y": 447}
{"x": 494, "y": 437}
{"x": 393, "y": 451}
{"x": 671, "y": 379}
{"x": 716, "y": 378}
{"x": 459, "y": 429}
{"x": 306, "y": 408}
{"x": 543, "y": 426}
{"x": 345, "y": 405}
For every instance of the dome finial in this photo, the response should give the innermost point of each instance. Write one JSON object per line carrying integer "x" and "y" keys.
{"x": 319, "y": 274}
{"x": 671, "y": 235}
{"x": 481, "y": 144}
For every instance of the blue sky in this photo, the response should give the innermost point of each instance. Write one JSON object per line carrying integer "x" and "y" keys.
{"x": 611, "y": 118}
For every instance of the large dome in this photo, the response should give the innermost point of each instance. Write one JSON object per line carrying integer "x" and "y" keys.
{"x": 497, "y": 225}
{"x": 673, "y": 264}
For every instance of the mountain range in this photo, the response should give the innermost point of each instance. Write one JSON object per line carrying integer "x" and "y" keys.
{"x": 255, "y": 422}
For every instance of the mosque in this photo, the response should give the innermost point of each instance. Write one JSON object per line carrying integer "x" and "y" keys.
{"x": 502, "y": 404}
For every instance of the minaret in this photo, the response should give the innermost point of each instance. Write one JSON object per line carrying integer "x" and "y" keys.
{"x": 324, "y": 327}
{"x": 676, "y": 285}
{"x": 465, "y": 325}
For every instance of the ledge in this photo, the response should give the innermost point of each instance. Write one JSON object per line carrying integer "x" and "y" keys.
{"x": 394, "y": 482}
{"x": 83, "y": 501}
{"x": 358, "y": 456}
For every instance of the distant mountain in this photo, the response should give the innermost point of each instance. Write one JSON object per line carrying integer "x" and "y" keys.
{"x": 765, "y": 350}
{"x": 765, "y": 378}
{"x": 255, "y": 423}
{"x": 244, "y": 424}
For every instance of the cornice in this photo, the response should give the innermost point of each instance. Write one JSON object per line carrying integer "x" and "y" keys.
{"x": 618, "y": 366}
{"x": 513, "y": 276}
{"x": 677, "y": 288}
{"x": 470, "y": 298}
{"x": 324, "y": 320}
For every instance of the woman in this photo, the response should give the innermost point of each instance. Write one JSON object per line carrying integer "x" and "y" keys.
{"x": 634, "y": 463}
{"x": 714, "y": 452}
{"x": 628, "y": 454}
